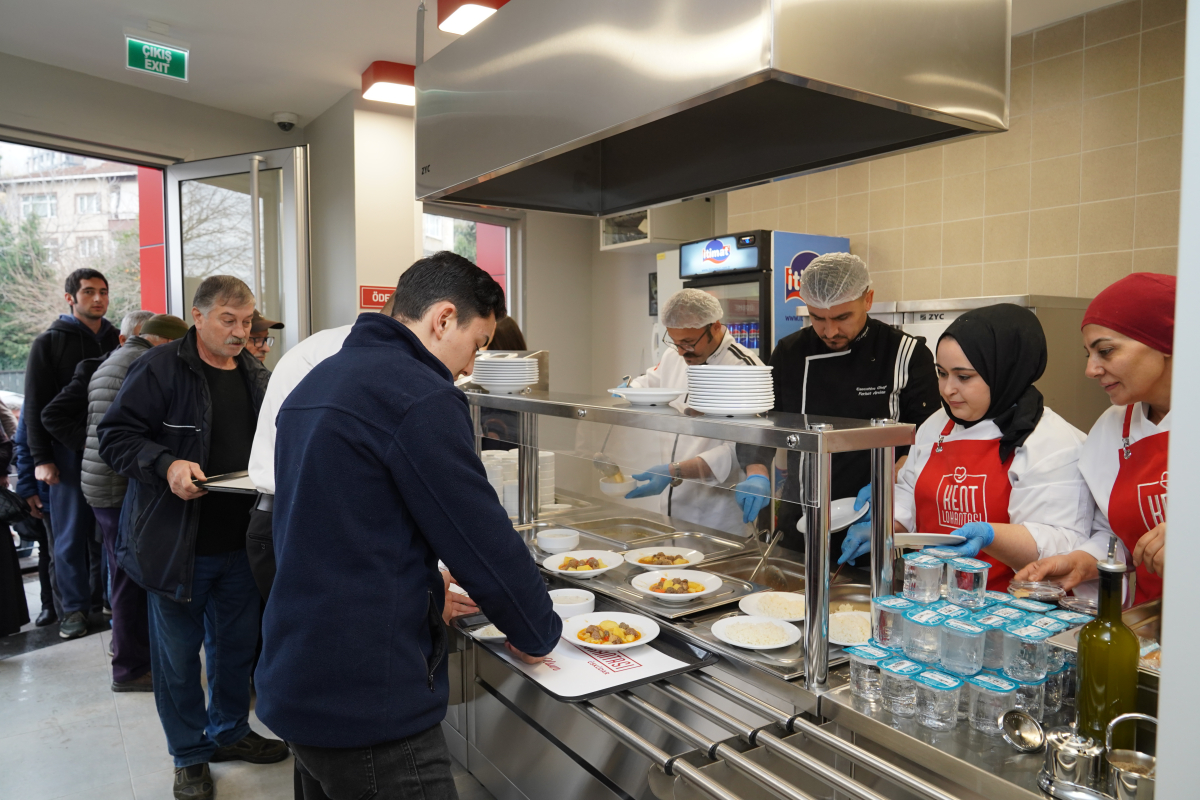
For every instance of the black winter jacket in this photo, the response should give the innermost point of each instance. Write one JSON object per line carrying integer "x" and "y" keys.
{"x": 163, "y": 413}
{"x": 102, "y": 487}
{"x": 65, "y": 417}
{"x": 52, "y": 360}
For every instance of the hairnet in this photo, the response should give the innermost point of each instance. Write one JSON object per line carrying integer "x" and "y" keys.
{"x": 833, "y": 279}
{"x": 691, "y": 308}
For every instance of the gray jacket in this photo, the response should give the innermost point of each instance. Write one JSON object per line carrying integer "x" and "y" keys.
{"x": 103, "y": 488}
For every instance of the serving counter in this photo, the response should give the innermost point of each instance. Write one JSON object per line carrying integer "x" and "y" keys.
{"x": 749, "y": 724}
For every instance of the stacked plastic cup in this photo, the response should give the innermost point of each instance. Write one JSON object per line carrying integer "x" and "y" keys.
{"x": 1055, "y": 655}
{"x": 1031, "y": 698}
{"x": 937, "y": 699}
{"x": 887, "y": 620}
{"x": 961, "y": 646}
{"x": 991, "y": 696}
{"x": 922, "y": 635}
{"x": 899, "y": 691}
{"x": 865, "y": 681}
{"x": 923, "y": 577}
{"x": 1026, "y": 651}
{"x": 966, "y": 582}
{"x": 993, "y": 640}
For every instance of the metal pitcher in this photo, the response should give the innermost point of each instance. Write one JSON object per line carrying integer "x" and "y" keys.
{"x": 1073, "y": 759}
{"x": 1130, "y": 773}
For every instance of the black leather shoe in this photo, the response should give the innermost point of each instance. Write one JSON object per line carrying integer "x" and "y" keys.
{"x": 47, "y": 617}
{"x": 253, "y": 749}
{"x": 193, "y": 783}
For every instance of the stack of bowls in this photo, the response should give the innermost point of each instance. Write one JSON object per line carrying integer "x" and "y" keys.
{"x": 730, "y": 391}
{"x": 504, "y": 375}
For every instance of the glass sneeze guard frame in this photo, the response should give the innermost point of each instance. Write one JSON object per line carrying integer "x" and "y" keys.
{"x": 815, "y": 438}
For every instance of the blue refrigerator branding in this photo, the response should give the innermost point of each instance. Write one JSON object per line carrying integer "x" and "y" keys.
{"x": 790, "y": 254}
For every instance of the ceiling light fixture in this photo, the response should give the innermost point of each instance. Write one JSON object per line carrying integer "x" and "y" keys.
{"x": 389, "y": 82}
{"x": 460, "y": 16}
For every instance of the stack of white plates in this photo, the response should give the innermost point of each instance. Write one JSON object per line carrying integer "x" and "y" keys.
{"x": 505, "y": 375}
{"x": 730, "y": 391}
{"x": 545, "y": 477}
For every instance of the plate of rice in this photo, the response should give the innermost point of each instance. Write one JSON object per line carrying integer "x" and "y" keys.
{"x": 849, "y": 628}
{"x": 756, "y": 633}
{"x": 787, "y": 606}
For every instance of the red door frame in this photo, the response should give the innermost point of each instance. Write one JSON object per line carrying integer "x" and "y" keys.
{"x": 152, "y": 239}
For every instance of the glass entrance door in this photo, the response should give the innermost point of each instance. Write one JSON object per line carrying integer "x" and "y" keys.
{"x": 245, "y": 216}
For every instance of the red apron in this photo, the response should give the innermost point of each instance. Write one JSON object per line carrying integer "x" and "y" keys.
{"x": 1138, "y": 501}
{"x": 963, "y": 482}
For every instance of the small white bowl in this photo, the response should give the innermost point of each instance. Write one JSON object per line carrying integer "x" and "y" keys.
{"x": 557, "y": 540}
{"x": 614, "y": 489}
{"x": 610, "y": 560}
{"x": 692, "y": 556}
{"x": 645, "y": 580}
{"x": 565, "y": 609}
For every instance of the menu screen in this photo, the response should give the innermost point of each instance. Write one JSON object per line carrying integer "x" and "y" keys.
{"x": 715, "y": 256}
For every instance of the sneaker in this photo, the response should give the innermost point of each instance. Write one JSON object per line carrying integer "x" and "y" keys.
{"x": 193, "y": 783}
{"x": 145, "y": 683}
{"x": 253, "y": 749}
{"x": 74, "y": 626}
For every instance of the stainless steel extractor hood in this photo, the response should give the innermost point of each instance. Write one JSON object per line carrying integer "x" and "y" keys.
{"x": 599, "y": 106}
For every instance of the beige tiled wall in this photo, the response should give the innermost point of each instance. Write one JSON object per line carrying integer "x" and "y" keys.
{"x": 1082, "y": 189}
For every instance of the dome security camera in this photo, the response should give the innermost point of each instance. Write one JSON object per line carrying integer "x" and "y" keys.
{"x": 286, "y": 120}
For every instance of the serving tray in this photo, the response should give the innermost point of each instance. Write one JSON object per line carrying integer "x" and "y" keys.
{"x": 616, "y": 584}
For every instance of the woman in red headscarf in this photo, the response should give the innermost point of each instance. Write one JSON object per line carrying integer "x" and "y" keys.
{"x": 1128, "y": 332}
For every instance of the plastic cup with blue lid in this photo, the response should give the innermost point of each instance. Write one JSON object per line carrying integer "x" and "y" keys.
{"x": 1026, "y": 651}
{"x": 923, "y": 575}
{"x": 887, "y": 620}
{"x": 993, "y": 641}
{"x": 990, "y": 697}
{"x": 1072, "y": 618}
{"x": 922, "y": 639}
{"x": 865, "y": 681}
{"x": 966, "y": 582}
{"x": 899, "y": 691}
{"x": 961, "y": 646}
{"x": 937, "y": 699}
{"x": 1030, "y": 606}
{"x": 1031, "y": 697}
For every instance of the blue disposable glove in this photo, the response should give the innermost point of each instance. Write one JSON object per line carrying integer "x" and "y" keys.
{"x": 659, "y": 478}
{"x": 979, "y": 535}
{"x": 863, "y": 498}
{"x": 752, "y": 495}
{"x": 624, "y": 384}
{"x": 856, "y": 543}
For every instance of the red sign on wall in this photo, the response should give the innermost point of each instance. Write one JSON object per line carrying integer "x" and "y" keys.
{"x": 374, "y": 296}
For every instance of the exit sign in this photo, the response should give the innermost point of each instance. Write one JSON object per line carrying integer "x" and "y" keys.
{"x": 155, "y": 58}
{"x": 374, "y": 296}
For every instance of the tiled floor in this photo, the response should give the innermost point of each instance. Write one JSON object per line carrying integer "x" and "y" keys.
{"x": 64, "y": 734}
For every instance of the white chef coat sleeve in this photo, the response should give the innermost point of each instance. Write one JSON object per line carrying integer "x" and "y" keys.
{"x": 651, "y": 379}
{"x": 262, "y": 450}
{"x": 720, "y": 460}
{"x": 1097, "y": 544}
{"x": 904, "y": 496}
{"x": 1049, "y": 496}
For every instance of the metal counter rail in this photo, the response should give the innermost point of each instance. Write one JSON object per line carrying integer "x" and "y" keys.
{"x": 668, "y": 763}
{"x": 797, "y": 724}
{"x": 755, "y": 772}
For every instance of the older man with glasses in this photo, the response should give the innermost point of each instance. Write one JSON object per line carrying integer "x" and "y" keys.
{"x": 698, "y": 476}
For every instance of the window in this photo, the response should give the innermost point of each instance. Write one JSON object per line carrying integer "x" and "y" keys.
{"x": 481, "y": 242}
{"x": 433, "y": 226}
{"x": 50, "y": 248}
{"x": 88, "y": 246}
{"x": 87, "y": 203}
{"x": 39, "y": 205}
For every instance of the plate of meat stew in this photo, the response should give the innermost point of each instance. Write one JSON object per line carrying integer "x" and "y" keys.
{"x": 664, "y": 557}
{"x": 583, "y": 563}
{"x": 676, "y": 585}
{"x": 609, "y": 630}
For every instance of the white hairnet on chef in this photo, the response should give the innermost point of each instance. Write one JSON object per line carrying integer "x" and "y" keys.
{"x": 833, "y": 279}
{"x": 691, "y": 308}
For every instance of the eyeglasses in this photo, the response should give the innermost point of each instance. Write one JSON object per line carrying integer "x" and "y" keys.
{"x": 688, "y": 347}
{"x": 262, "y": 341}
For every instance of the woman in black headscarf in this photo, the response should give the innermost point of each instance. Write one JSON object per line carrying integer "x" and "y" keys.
{"x": 994, "y": 465}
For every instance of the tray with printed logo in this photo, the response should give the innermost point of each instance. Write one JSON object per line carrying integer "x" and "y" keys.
{"x": 574, "y": 673}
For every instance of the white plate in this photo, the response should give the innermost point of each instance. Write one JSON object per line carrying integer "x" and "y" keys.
{"x": 750, "y": 605}
{"x": 721, "y": 411}
{"x": 864, "y": 614}
{"x": 692, "y": 556}
{"x": 730, "y": 383}
{"x": 701, "y": 369}
{"x": 647, "y": 627}
{"x": 506, "y": 389}
{"x": 719, "y": 627}
{"x": 730, "y": 396}
{"x": 475, "y": 633}
{"x": 643, "y": 581}
{"x": 925, "y": 539}
{"x": 608, "y": 557}
{"x": 730, "y": 402}
{"x": 647, "y": 396}
{"x": 842, "y": 515}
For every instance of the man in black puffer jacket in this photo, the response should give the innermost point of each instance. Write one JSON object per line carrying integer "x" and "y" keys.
{"x": 105, "y": 493}
{"x": 186, "y": 409}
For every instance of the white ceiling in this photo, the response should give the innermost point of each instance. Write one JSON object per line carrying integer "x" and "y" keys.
{"x": 257, "y": 57}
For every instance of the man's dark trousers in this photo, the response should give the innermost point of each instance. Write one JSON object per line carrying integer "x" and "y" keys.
{"x": 130, "y": 620}
{"x": 74, "y": 528}
{"x": 416, "y": 766}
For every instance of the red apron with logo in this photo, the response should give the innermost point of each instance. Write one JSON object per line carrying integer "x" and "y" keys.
{"x": 1138, "y": 501}
{"x": 963, "y": 482}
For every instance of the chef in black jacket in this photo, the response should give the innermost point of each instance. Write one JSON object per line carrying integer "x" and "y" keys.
{"x": 844, "y": 364}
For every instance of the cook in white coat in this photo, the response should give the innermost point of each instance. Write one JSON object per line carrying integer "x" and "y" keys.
{"x": 697, "y": 478}
{"x": 994, "y": 465}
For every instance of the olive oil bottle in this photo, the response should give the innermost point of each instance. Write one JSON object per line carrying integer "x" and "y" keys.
{"x": 1108, "y": 662}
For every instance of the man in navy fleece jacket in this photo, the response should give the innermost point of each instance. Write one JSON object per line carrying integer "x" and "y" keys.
{"x": 376, "y": 479}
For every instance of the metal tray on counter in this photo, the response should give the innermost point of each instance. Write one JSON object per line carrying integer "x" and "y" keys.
{"x": 616, "y": 584}
{"x": 713, "y": 547}
{"x": 624, "y": 529}
{"x": 1145, "y": 620}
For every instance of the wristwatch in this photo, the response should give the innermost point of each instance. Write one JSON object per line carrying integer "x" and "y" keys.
{"x": 676, "y": 473}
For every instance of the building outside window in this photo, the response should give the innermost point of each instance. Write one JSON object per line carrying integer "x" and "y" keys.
{"x": 39, "y": 205}
{"x": 481, "y": 242}
{"x": 50, "y": 248}
{"x": 87, "y": 203}
{"x": 89, "y": 246}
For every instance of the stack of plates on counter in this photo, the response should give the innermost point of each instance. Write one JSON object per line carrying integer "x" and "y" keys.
{"x": 730, "y": 391}
{"x": 500, "y": 375}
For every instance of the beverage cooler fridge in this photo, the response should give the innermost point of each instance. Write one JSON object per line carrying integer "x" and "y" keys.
{"x": 756, "y": 277}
